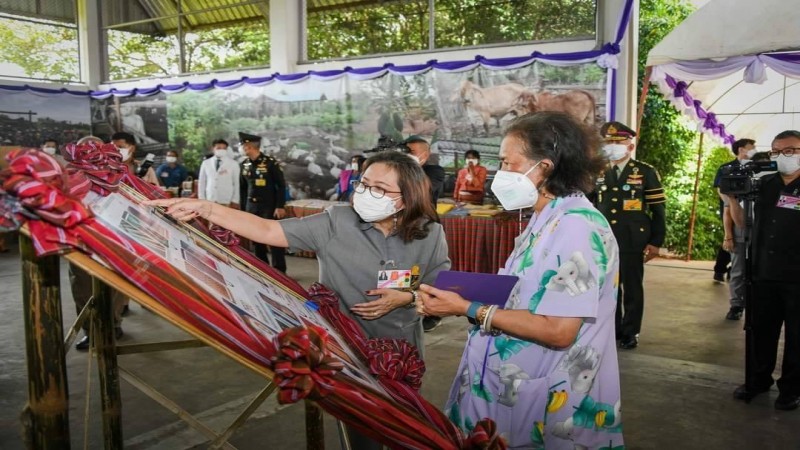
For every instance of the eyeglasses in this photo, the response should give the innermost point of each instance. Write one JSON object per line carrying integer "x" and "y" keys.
{"x": 374, "y": 191}
{"x": 788, "y": 151}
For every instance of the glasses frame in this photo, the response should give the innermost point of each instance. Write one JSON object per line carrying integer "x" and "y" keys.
{"x": 788, "y": 151}
{"x": 360, "y": 187}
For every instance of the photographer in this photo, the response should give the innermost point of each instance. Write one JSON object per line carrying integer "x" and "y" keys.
{"x": 776, "y": 274}
{"x": 733, "y": 243}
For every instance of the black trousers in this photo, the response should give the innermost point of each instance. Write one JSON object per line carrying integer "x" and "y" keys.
{"x": 260, "y": 250}
{"x": 776, "y": 305}
{"x": 723, "y": 261}
{"x": 630, "y": 298}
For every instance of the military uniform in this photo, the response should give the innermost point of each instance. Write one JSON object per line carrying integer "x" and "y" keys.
{"x": 633, "y": 201}
{"x": 263, "y": 190}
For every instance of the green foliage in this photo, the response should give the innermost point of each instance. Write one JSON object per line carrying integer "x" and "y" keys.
{"x": 404, "y": 26}
{"x": 708, "y": 230}
{"x": 40, "y": 50}
{"x": 666, "y": 143}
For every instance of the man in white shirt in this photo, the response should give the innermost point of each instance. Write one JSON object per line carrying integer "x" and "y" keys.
{"x": 219, "y": 177}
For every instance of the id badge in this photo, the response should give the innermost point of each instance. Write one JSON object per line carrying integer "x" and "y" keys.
{"x": 261, "y": 182}
{"x": 632, "y": 205}
{"x": 789, "y": 202}
{"x": 394, "y": 279}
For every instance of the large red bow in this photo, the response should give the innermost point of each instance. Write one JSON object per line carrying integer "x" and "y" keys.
{"x": 303, "y": 366}
{"x": 397, "y": 360}
{"x": 101, "y": 164}
{"x": 33, "y": 182}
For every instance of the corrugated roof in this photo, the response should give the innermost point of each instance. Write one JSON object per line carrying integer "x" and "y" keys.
{"x": 199, "y": 13}
{"x": 56, "y": 10}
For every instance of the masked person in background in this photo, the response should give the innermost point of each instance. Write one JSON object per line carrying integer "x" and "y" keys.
{"x": 390, "y": 226}
{"x": 50, "y": 146}
{"x": 544, "y": 365}
{"x": 126, "y": 144}
{"x": 471, "y": 179}
{"x": 171, "y": 173}
{"x": 630, "y": 195}
{"x": 776, "y": 275}
{"x": 348, "y": 178}
{"x": 219, "y": 177}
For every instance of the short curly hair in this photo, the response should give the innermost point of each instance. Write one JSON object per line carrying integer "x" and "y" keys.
{"x": 571, "y": 145}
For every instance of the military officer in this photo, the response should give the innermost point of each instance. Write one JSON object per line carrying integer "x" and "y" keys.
{"x": 630, "y": 195}
{"x": 263, "y": 192}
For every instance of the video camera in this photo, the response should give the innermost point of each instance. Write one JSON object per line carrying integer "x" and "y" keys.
{"x": 740, "y": 180}
{"x": 387, "y": 143}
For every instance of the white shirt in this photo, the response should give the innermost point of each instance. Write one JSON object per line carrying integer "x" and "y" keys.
{"x": 219, "y": 186}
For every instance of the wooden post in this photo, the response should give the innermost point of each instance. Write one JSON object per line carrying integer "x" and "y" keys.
{"x": 46, "y": 416}
{"x": 315, "y": 430}
{"x": 693, "y": 217}
{"x": 104, "y": 342}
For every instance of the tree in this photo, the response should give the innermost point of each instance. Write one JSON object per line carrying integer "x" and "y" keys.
{"x": 667, "y": 143}
{"x": 41, "y": 50}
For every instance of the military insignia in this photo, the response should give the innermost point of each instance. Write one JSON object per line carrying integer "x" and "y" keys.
{"x": 601, "y": 180}
{"x": 635, "y": 169}
{"x": 626, "y": 188}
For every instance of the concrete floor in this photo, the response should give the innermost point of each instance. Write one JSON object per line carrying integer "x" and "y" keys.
{"x": 676, "y": 386}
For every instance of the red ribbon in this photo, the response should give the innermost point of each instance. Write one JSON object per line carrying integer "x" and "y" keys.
{"x": 397, "y": 360}
{"x": 35, "y": 182}
{"x": 100, "y": 165}
{"x": 484, "y": 437}
{"x": 303, "y": 366}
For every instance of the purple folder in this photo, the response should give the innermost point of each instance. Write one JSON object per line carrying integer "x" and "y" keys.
{"x": 485, "y": 288}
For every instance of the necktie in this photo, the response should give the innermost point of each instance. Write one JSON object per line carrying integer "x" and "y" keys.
{"x": 615, "y": 175}
{"x": 219, "y": 163}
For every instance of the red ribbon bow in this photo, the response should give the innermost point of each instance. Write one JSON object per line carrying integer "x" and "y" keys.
{"x": 303, "y": 366}
{"x": 397, "y": 360}
{"x": 484, "y": 437}
{"x": 101, "y": 165}
{"x": 34, "y": 182}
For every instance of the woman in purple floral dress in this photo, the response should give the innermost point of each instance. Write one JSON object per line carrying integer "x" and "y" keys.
{"x": 544, "y": 366}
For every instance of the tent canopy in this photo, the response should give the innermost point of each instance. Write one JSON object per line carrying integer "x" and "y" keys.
{"x": 734, "y": 67}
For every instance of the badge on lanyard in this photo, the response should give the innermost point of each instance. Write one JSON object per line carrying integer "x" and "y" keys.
{"x": 390, "y": 277}
{"x": 261, "y": 182}
{"x": 789, "y": 202}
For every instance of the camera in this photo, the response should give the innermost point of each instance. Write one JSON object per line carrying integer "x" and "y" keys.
{"x": 740, "y": 179}
{"x": 387, "y": 143}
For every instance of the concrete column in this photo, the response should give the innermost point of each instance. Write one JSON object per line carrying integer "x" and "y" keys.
{"x": 91, "y": 40}
{"x": 627, "y": 70}
{"x": 285, "y": 31}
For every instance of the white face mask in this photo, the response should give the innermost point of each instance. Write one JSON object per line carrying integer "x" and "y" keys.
{"x": 171, "y": 159}
{"x": 515, "y": 190}
{"x": 49, "y": 150}
{"x": 125, "y": 152}
{"x": 372, "y": 209}
{"x": 472, "y": 162}
{"x": 788, "y": 165}
{"x": 415, "y": 158}
{"x": 354, "y": 166}
{"x": 220, "y": 152}
{"x": 615, "y": 152}
{"x": 751, "y": 153}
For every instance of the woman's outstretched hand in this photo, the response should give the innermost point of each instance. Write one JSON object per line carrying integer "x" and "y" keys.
{"x": 183, "y": 209}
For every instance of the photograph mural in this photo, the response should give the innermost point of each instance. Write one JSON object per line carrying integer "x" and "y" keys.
{"x": 28, "y": 118}
{"x": 313, "y": 127}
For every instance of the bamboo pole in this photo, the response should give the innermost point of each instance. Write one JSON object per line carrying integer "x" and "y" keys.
{"x": 693, "y": 216}
{"x": 104, "y": 343}
{"x": 46, "y": 416}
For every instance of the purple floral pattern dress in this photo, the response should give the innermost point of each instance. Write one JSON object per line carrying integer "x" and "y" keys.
{"x": 541, "y": 397}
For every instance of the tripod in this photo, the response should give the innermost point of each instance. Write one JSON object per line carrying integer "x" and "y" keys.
{"x": 749, "y": 201}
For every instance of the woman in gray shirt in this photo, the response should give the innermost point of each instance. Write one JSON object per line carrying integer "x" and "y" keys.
{"x": 390, "y": 228}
